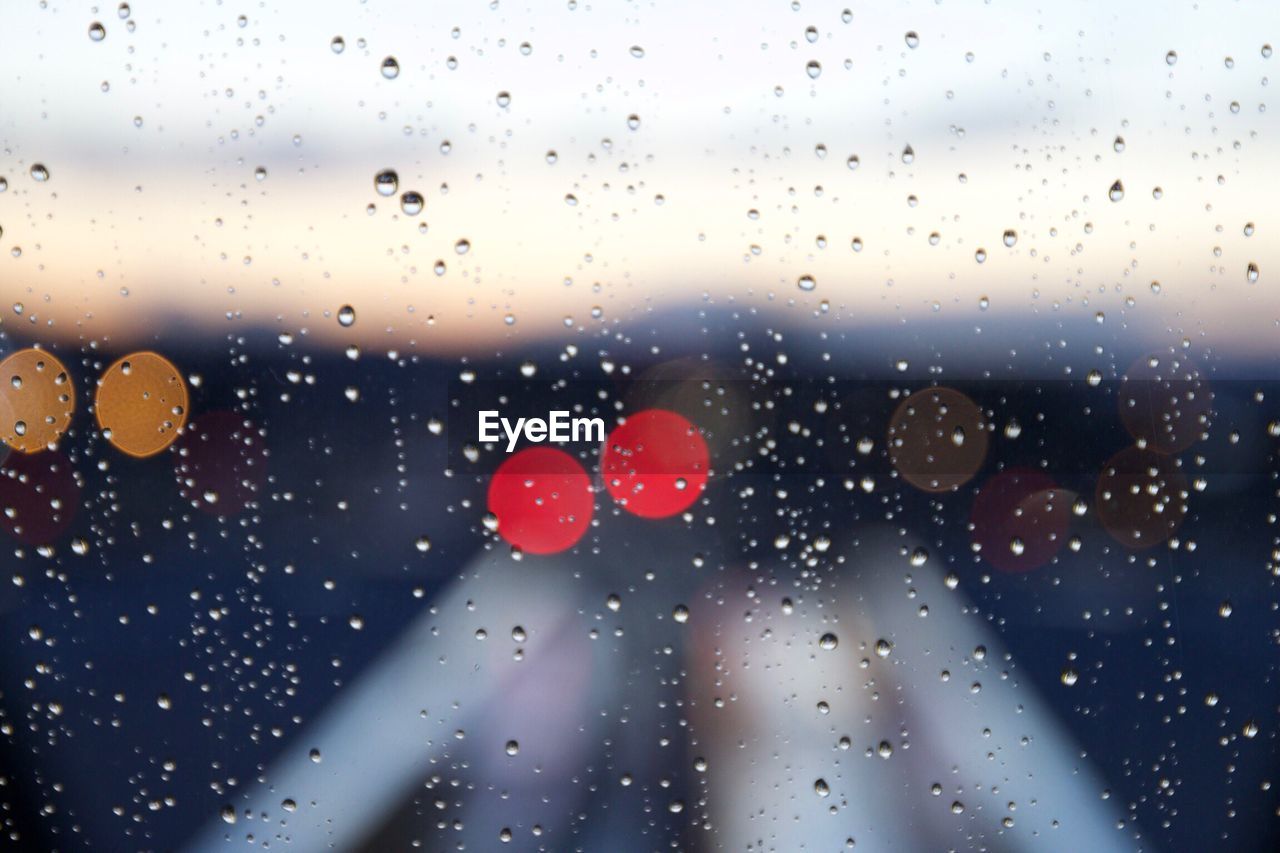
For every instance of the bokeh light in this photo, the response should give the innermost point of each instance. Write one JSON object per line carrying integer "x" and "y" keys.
{"x": 1020, "y": 518}
{"x": 655, "y": 464}
{"x": 141, "y": 403}
{"x": 37, "y": 399}
{"x": 542, "y": 499}
{"x": 39, "y": 497}
{"x": 1141, "y": 497}
{"x": 937, "y": 439}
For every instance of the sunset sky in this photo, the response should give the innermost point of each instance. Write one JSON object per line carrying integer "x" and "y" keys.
{"x": 155, "y": 212}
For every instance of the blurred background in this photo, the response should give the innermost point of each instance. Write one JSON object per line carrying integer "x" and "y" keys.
{"x": 967, "y": 307}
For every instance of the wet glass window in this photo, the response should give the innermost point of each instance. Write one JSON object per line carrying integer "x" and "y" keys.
{"x": 769, "y": 426}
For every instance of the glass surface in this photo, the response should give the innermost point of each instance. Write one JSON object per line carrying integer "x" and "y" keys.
{"x": 633, "y": 427}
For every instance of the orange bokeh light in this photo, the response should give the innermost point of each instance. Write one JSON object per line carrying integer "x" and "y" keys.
{"x": 37, "y": 399}
{"x": 141, "y": 404}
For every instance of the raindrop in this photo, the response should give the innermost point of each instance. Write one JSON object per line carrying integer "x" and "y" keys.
{"x": 913, "y": 40}
{"x": 390, "y": 68}
{"x": 39, "y": 172}
{"x": 1171, "y": 58}
{"x": 97, "y": 32}
{"x": 908, "y": 154}
{"x": 411, "y": 203}
{"x": 386, "y": 182}
{"x": 346, "y": 316}
{"x": 813, "y": 69}
{"x": 828, "y": 642}
{"x": 806, "y": 283}
{"x": 1116, "y": 192}
{"x": 338, "y": 44}
{"x": 1010, "y": 238}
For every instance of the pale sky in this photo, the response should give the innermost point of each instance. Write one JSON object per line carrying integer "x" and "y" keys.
{"x": 152, "y": 211}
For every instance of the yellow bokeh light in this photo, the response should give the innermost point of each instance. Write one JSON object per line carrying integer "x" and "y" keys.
{"x": 37, "y": 400}
{"x": 141, "y": 403}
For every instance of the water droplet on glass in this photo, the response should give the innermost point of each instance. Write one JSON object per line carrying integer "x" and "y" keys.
{"x": 411, "y": 203}
{"x": 386, "y": 182}
{"x": 97, "y": 32}
{"x": 390, "y": 68}
{"x": 1116, "y": 192}
{"x": 346, "y": 316}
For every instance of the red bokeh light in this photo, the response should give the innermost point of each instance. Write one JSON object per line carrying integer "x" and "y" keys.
{"x": 39, "y": 496}
{"x": 221, "y": 463}
{"x": 542, "y": 498}
{"x": 1020, "y": 518}
{"x": 655, "y": 464}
